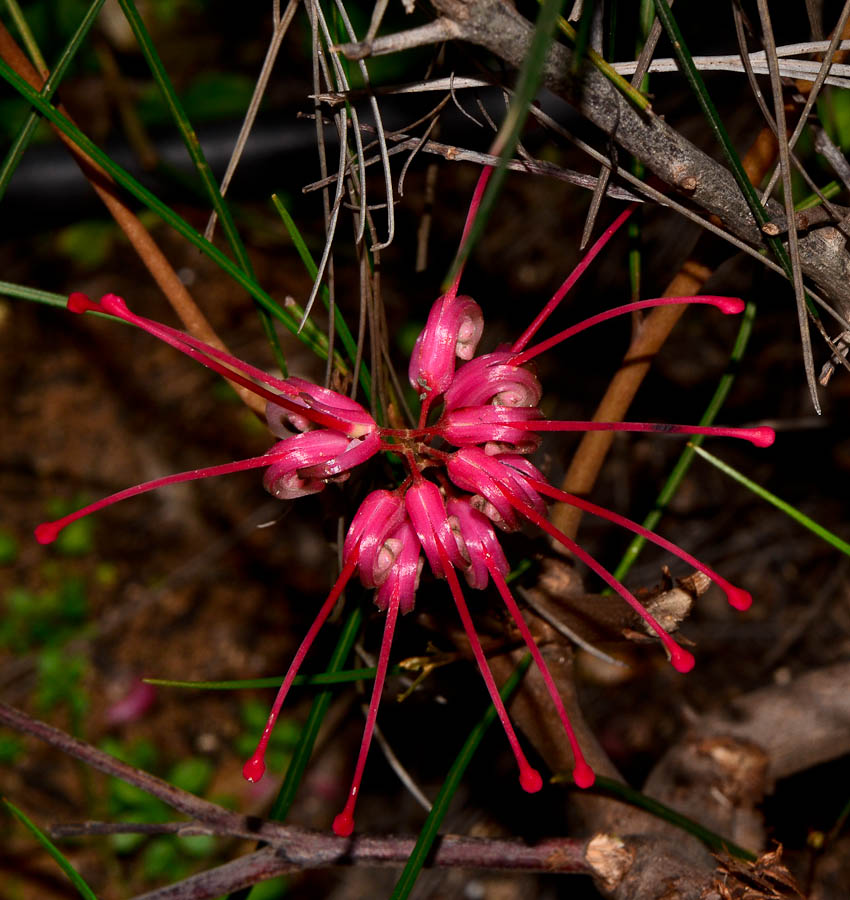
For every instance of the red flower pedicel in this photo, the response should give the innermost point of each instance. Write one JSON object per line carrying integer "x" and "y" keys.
{"x": 451, "y": 499}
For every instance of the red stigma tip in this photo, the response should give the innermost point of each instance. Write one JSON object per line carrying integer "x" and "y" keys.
{"x": 730, "y": 305}
{"x": 583, "y": 775}
{"x": 343, "y": 825}
{"x": 530, "y": 780}
{"x": 253, "y": 769}
{"x": 682, "y": 660}
{"x": 738, "y": 597}
{"x": 46, "y": 533}
{"x": 763, "y": 436}
{"x": 80, "y": 303}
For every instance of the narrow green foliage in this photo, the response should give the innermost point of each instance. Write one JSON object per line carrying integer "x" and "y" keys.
{"x": 582, "y": 42}
{"x": 199, "y": 161}
{"x": 312, "y": 270}
{"x": 343, "y": 676}
{"x": 694, "y": 78}
{"x": 780, "y": 504}
{"x": 687, "y": 457}
{"x": 25, "y": 135}
{"x": 34, "y": 294}
{"x": 715, "y": 842}
{"x": 295, "y": 773}
{"x": 441, "y": 804}
{"x": 71, "y": 873}
{"x": 26, "y": 34}
{"x": 506, "y": 140}
{"x": 833, "y": 189}
{"x": 623, "y": 86}
{"x": 289, "y": 316}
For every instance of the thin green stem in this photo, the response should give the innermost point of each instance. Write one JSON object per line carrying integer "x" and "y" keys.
{"x": 51, "y": 83}
{"x": 289, "y": 316}
{"x": 712, "y": 840}
{"x": 505, "y": 142}
{"x": 343, "y": 676}
{"x": 441, "y": 804}
{"x": 303, "y": 251}
{"x": 295, "y": 772}
{"x": 199, "y": 161}
{"x": 73, "y": 875}
{"x": 622, "y": 85}
{"x": 26, "y": 35}
{"x": 687, "y": 457}
{"x": 780, "y": 504}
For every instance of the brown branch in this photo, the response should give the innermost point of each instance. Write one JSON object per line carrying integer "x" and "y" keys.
{"x": 290, "y": 848}
{"x": 556, "y": 855}
{"x": 497, "y": 26}
{"x": 139, "y": 237}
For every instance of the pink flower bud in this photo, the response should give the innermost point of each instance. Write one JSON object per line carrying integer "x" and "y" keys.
{"x": 492, "y": 378}
{"x": 453, "y": 329}
{"x": 427, "y": 511}
{"x": 372, "y": 528}
{"x": 404, "y": 571}
{"x": 480, "y": 544}
{"x": 282, "y": 478}
{"x": 485, "y": 424}
{"x": 471, "y": 469}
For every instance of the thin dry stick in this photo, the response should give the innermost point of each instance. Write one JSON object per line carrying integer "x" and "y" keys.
{"x": 813, "y": 89}
{"x": 788, "y": 196}
{"x": 298, "y": 848}
{"x": 646, "y": 342}
{"x": 643, "y": 61}
{"x": 768, "y": 117}
{"x": 139, "y": 237}
{"x": 282, "y": 24}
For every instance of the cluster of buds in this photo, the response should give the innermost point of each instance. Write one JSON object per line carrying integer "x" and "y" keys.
{"x": 468, "y": 477}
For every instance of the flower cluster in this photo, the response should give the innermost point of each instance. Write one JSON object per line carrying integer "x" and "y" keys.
{"x": 468, "y": 477}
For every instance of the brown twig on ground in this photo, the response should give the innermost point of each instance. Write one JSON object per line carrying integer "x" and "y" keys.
{"x": 500, "y": 28}
{"x": 139, "y": 237}
{"x": 290, "y": 849}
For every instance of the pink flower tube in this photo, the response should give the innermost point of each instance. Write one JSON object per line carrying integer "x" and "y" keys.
{"x": 453, "y": 330}
{"x": 493, "y": 378}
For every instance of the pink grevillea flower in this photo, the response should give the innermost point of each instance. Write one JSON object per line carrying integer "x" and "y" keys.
{"x": 486, "y": 409}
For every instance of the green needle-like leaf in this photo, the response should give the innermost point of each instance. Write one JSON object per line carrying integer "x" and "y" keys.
{"x": 687, "y": 457}
{"x": 290, "y": 316}
{"x": 25, "y": 135}
{"x": 202, "y": 167}
{"x": 622, "y": 84}
{"x": 694, "y": 78}
{"x": 787, "y": 508}
{"x": 507, "y": 139}
{"x": 73, "y": 875}
{"x": 312, "y": 270}
{"x": 301, "y": 756}
{"x": 833, "y": 189}
{"x": 711, "y": 839}
{"x": 441, "y": 804}
{"x": 34, "y": 294}
{"x": 343, "y": 676}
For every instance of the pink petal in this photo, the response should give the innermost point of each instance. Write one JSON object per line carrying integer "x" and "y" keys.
{"x": 283, "y": 480}
{"x": 378, "y": 516}
{"x": 485, "y": 424}
{"x": 493, "y": 378}
{"x": 453, "y": 330}
{"x": 427, "y": 511}
{"x": 480, "y": 542}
